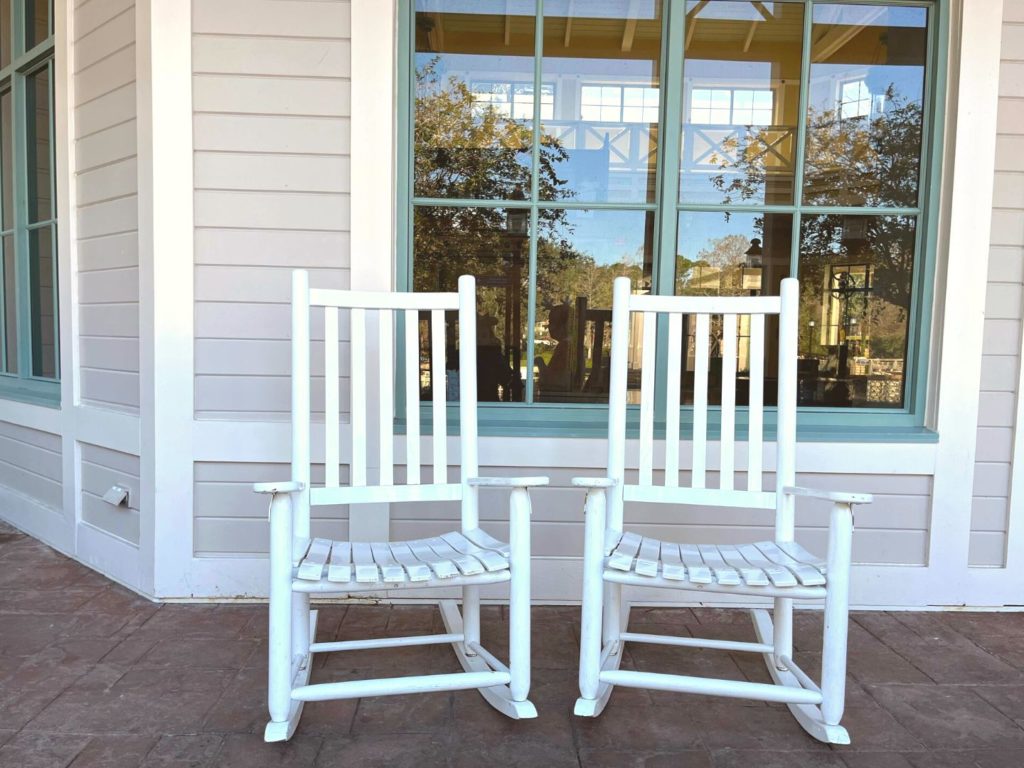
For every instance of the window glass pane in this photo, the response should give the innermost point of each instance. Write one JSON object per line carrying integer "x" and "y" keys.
{"x": 579, "y": 255}
{"x": 6, "y": 159}
{"x": 741, "y": 96}
{"x": 43, "y": 307}
{"x": 493, "y": 244}
{"x": 864, "y": 114}
{"x": 855, "y": 290}
{"x": 604, "y": 59}
{"x": 735, "y": 254}
{"x": 474, "y": 95}
{"x": 37, "y": 22}
{"x": 37, "y": 102}
{"x": 10, "y": 308}
{"x": 5, "y": 33}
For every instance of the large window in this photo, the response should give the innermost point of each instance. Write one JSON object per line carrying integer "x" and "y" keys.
{"x": 29, "y": 357}
{"x": 706, "y": 147}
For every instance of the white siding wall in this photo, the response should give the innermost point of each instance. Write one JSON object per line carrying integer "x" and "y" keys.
{"x": 1004, "y": 307}
{"x": 271, "y": 137}
{"x": 107, "y": 192}
{"x": 102, "y": 468}
{"x": 30, "y": 464}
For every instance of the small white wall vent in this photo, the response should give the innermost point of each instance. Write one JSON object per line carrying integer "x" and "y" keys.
{"x": 117, "y": 495}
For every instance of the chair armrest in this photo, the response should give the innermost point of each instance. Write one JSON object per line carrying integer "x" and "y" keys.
{"x": 282, "y": 486}
{"x": 594, "y": 482}
{"x": 835, "y": 496}
{"x": 508, "y": 482}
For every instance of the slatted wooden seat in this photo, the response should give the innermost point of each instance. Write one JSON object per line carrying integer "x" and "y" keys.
{"x": 469, "y": 558}
{"x": 779, "y": 569}
{"x": 396, "y": 564}
{"x": 763, "y": 564}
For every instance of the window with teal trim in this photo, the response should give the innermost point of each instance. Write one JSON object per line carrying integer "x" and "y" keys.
{"x": 700, "y": 147}
{"x": 29, "y": 356}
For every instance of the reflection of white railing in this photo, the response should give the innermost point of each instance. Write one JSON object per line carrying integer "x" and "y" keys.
{"x": 721, "y": 147}
{"x": 629, "y": 146}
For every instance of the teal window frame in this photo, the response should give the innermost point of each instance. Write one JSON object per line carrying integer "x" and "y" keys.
{"x": 26, "y": 62}
{"x": 906, "y": 424}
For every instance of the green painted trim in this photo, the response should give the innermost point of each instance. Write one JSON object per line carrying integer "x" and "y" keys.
{"x": 24, "y": 385}
{"x": 886, "y": 425}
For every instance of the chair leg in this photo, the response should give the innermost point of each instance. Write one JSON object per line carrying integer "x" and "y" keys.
{"x": 300, "y": 625}
{"x": 782, "y": 634}
{"x": 281, "y": 637}
{"x": 519, "y": 595}
{"x": 470, "y": 618}
{"x": 600, "y": 612}
{"x": 837, "y": 602}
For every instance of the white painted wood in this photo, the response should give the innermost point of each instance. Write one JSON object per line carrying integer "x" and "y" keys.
{"x": 779, "y": 569}
{"x": 672, "y": 399}
{"x": 386, "y": 408}
{"x": 412, "y": 397}
{"x": 340, "y": 566}
{"x": 647, "y": 375}
{"x": 357, "y": 390}
{"x": 700, "y": 400}
{"x": 469, "y": 558}
{"x": 755, "y": 419}
{"x": 438, "y": 385}
{"x": 727, "y": 462}
{"x": 332, "y": 408}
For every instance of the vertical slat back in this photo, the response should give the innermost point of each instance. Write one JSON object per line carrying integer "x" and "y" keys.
{"x": 647, "y": 379}
{"x": 438, "y": 385}
{"x": 357, "y": 388}
{"x": 755, "y": 419}
{"x": 386, "y": 401}
{"x": 617, "y": 399}
{"x": 727, "y": 461}
{"x": 300, "y": 400}
{"x": 412, "y": 396}
{"x": 332, "y": 409}
{"x": 467, "y": 400}
{"x": 700, "y": 401}
{"x": 785, "y": 462}
{"x": 672, "y": 402}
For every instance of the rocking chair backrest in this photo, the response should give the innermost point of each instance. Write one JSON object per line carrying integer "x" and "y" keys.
{"x": 701, "y": 309}
{"x": 379, "y": 405}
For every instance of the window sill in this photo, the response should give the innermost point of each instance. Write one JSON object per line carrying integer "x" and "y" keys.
{"x": 30, "y": 392}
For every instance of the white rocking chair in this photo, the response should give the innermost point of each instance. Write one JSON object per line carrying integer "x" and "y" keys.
{"x": 468, "y": 558}
{"x": 780, "y": 569}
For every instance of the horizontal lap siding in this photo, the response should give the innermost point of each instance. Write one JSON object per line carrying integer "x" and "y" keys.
{"x": 101, "y": 469}
{"x": 232, "y": 520}
{"x": 893, "y": 530}
{"x": 1004, "y": 308}
{"x": 271, "y": 98}
{"x": 30, "y": 464}
{"x": 106, "y": 178}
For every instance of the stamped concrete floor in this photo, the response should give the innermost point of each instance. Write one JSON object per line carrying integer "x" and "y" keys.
{"x": 92, "y": 675}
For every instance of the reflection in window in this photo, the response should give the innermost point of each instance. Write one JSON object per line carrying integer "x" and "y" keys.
{"x": 854, "y": 99}
{"x": 740, "y": 106}
{"x": 619, "y": 104}
{"x": 735, "y": 254}
{"x": 855, "y": 290}
{"x": 741, "y": 94}
{"x": 493, "y": 244}
{"x": 873, "y": 59}
{"x": 514, "y": 100}
{"x": 578, "y": 259}
{"x": 501, "y": 197}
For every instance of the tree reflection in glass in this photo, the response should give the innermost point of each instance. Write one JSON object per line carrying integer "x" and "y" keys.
{"x": 865, "y": 107}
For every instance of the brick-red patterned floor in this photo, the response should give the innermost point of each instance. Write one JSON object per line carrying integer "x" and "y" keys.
{"x": 92, "y": 675}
